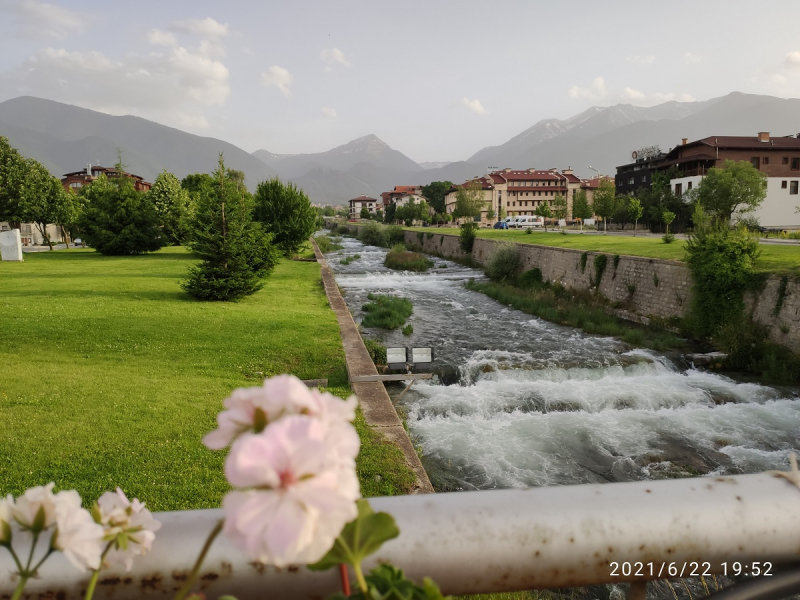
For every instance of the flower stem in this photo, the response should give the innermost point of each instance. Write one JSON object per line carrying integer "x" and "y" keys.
{"x": 39, "y": 564}
{"x": 30, "y": 556}
{"x": 96, "y": 574}
{"x": 199, "y": 563}
{"x": 16, "y": 559}
{"x": 362, "y": 583}
{"x": 20, "y": 587}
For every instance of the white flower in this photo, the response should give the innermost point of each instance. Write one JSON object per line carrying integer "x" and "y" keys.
{"x": 35, "y": 510}
{"x": 129, "y": 524}
{"x": 306, "y": 488}
{"x": 77, "y": 535}
{"x": 279, "y": 396}
{"x": 5, "y": 519}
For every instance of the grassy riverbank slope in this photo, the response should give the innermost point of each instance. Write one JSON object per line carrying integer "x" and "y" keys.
{"x": 781, "y": 259}
{"x": 111, "y": 374}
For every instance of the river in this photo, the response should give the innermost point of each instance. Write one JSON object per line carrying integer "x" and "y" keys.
{"x": 524, "y": 402}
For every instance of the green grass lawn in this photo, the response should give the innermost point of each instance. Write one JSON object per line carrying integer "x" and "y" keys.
{"x": 111, "y": 374}
{"x": 774, "y": 258}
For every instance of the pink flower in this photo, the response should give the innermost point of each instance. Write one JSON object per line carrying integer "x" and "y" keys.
{"x": 303, "y": 472}
{"x": 129, "y": 524}
{"x": 77, "y": 535}
{"x": 279, "y": 396}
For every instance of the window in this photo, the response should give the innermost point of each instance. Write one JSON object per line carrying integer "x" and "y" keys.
{"x": 630, "y": 181}
{"x": 793, "y": 187}
{"x": 785, "y": 160}
{"x": 688, "y": 186}
{"x": 765, "y": 160}
{"x": 678, "y": 189}
{"x": 783, "y": 184}
{"x": 756, "y": 162}
{"x": 796, "y": 164}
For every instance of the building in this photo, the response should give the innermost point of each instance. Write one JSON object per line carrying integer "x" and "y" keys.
{"x": 777, "y": 157}
{"x": 356, "y": 204}
{"x": 521, "y": 192}
{"x": 639, "y": 173}
{"x": 402, "y": 194}
{"x": 78, "y": 179}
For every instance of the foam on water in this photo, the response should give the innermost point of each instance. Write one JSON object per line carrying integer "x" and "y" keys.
{"x": 534, "y": 403}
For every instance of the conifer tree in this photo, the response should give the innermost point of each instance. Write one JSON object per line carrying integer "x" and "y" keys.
{"x": 237, "y": 253}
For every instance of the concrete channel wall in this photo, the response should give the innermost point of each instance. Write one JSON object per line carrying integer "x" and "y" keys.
{"x": 647, "y": 287}
{"x": 375, "y": 403}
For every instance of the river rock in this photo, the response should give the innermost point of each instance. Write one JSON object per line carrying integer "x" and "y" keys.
{"x": 11, "y": 245}
{"x": 710, "y": 358}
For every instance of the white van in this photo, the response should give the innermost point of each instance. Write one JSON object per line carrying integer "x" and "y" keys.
{"x": 527, "y": 222}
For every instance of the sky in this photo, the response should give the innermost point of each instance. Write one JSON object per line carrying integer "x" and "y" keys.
{"x": 437, "y": 80}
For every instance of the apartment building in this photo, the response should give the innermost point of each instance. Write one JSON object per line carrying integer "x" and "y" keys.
{"x": 356, "y": 204}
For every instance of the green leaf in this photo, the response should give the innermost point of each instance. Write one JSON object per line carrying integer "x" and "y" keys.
{"x": 38, "y": 520}
{"x": 359, "y": 538}
{"x": 386, "y": 582}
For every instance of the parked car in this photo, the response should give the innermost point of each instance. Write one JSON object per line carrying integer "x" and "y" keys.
{"x": 512, "y": 224}
{"x": 527, "y": 222}
{"x": 501, "y": 225}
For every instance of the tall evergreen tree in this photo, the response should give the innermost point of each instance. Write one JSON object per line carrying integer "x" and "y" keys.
{"x": 285, "y": 211}
{"x": 237, "y": 253}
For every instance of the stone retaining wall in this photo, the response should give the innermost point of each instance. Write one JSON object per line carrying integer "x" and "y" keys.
{"x": 646, "y": 287}
{"x": 375, "y": 403}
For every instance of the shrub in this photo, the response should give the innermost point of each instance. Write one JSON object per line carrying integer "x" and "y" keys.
{"x": 600, "y": 263}
{"x": 721, "y": 262}
{"x": 326, "y": 244}
{"x": 408, "y": 329}
{"x": 504, "y": 263}
{"x": 528, "y": 231}
{"x": 668, "y": 238}
{"x": 377, "y": 351}
{"x": 386, "y": 312}
{"x": 530, "y": 279}
{"x": 401, "y": 259}
{"x": 395, "y": 235}
{"x": 467, "y": 237}
{"x": 372, "y": 234}
{"x": 118, "y": 220}
{"x": 285, "y": 211}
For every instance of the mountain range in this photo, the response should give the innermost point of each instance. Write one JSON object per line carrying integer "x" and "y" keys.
{"x": 65, "y": 138}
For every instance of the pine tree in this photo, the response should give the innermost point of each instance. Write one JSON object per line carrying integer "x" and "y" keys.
{"x": 237, "y": 253}
{"x": 285, "y": 211}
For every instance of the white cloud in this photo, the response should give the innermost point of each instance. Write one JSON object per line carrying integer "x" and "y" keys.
{"x": 161, "y": 38}
{"x": 474, "y": 105}
{"x": 330, "y": 112}
{"x": 42, "y": 20}
{"x": 641, "y": 60}
{"x": 641, "y": 99}
{"x": 206, "y": 28}
{"x": 792, "y": 60}
{"x": 334, "y": 56}
{"x": 692, "y": 58}
{"x": 279, "y": 77}
{"x": 596, "y": 91}
{"x": 779, "y": 79}
{"x": 174, "y": 85}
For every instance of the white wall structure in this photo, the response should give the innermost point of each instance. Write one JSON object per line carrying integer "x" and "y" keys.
{"x": 779, "y": 209}
{"x": 11, "y": 245}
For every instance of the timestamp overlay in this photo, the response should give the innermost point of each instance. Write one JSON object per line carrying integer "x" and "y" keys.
{"x": 628, "y": 570}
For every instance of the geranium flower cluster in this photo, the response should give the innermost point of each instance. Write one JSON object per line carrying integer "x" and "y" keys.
{"x": 114, "y": 532}
{"x": 293, "y": 458}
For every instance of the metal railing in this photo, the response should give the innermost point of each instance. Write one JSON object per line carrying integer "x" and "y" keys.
{"x": 491, "y": 541}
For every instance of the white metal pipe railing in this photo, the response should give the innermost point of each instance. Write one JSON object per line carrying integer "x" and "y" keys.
{"x": 491, "y": 541}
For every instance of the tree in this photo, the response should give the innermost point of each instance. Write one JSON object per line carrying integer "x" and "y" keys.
{"x": 635, "y": 212}
{"x": 435, "y": 193}
{"x": 469, "y": 201}
{"x": 580, "y": 207}
{"x": 364, "y": 213}
{"x": 118, "y": 220}
{"x": 12, "y": 180}
{"x": 560, "y": 207}
{"x": 285, "y": 211}
{"x": 668, "y": 218}
{"x": 736, "y": 187}
{"x": 501, "y": 214}
{"x": 389, "y": 214}
{"x": 237, "y": 253}
{"x": 605, "y": 201}
{"x": 44, "y": 201}
{"x": 543, "y": 210}
{"x": 172, "y": 204}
